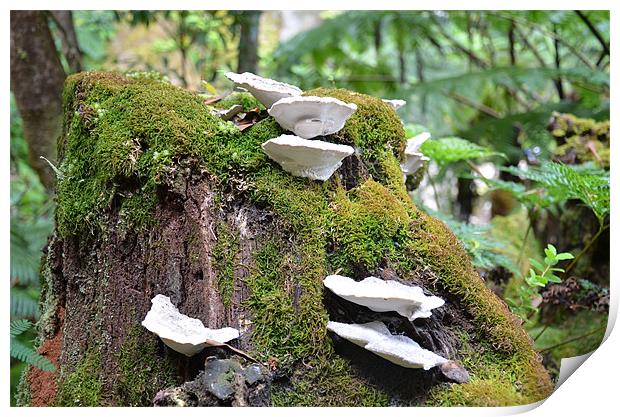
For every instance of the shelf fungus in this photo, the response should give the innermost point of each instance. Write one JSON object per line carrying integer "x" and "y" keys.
{"x": 395, "y": 103}
{"x": 266, "y": 90}
{"x": 181, "y": 333}
{"x": 414, "y": 159}
{"x": 314, "y": 159}
{"x": 309, "y": 117}
{"x": 382, "y": 296}
{"x": 376, "y": 338}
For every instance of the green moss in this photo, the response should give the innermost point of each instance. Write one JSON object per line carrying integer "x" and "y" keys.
{"x": 142, "y": 370}
{"x": 493, "y": 383}
{"x": 137, "y": 209}
{"x": 127, "y": 135}
{"x": 328, "y": 381}
{"x": 247, "y": 100}
{"x": 369, "y": 224}
{"x": 224, "y": 251}
{"x": 83, "y": 386}
{"x": 585, "y": 149}
{"x": 289, "y": 322}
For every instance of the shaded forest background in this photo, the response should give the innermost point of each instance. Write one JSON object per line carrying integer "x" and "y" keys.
{"x": 494, "y": 78}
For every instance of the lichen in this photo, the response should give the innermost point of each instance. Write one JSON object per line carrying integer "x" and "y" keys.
{"x": 82, "y": 387}
{"x": 143, "y": 369}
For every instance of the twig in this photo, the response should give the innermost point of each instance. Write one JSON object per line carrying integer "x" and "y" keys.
{"x": 432, "y": 181}
{"x": 594, "y": 31}
{"x": 239, "y": 352}
{"x": 541, "y": 332}
{"x": 527, "y": 233}
{"x": 545, "y": 31}
{"x": 584, "y": 250}
{"x": 573, "y": 339}
{"x": 478, "y": 106}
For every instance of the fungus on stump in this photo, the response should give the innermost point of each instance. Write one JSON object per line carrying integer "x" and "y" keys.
{"x": 158, "y": 196}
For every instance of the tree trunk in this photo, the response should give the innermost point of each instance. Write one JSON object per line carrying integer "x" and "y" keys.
{"x": 161, "y": 197}
{"x": 36, "y": 81}
{"x": 248, "y": 41}
{"x": 70, "y": 45}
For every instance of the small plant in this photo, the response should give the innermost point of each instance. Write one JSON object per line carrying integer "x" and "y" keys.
{"x": 539, "y": 276}
{"x": 24, "y": 353}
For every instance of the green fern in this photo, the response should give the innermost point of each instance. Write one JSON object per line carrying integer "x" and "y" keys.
{"x": 452, "y": 149}
{"x": 481, "y": 247}
{"x": 24, "y": 302}
{"x": 562, "y": 182}
{"x": 24, "y": 353}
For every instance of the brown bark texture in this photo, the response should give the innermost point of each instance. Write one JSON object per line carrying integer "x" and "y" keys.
{"x": 37, "y": 79}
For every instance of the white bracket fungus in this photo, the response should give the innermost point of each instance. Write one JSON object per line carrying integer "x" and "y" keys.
{"x": 314, "y": 159}
{"x": 376, "y": 338}
{"x": 311, "y": 116}
{"x": 396, "y": 103}
{"x": 381, "y": 296}
{"x": 266, "y": 90}
{"x": 181, "y": 333}
{"x": 413, "y": 157}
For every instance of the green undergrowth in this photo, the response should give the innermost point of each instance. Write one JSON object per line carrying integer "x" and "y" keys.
{"x": 144, "y": 129}
{"x": 82, "y": 388}
{"x": 143, "y": 370}
{"x": 585, "y": 328}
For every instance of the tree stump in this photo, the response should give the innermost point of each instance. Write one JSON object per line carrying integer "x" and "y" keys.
{"x": 159, "y": 196}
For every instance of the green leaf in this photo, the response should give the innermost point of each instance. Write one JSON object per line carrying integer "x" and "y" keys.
{"x": 553, "y": 278}
{"x": 537, "y": 264}
{"x": 564, "y": 256}
{"x": 452, "y": 149}
{"x": 19, "y": 326}
{"x": 562, "y": 182}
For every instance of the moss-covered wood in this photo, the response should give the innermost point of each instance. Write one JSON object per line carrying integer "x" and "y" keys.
{"x": 159, "y": 196}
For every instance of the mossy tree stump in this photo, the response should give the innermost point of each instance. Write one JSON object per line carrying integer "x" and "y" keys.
{"x": 159, "y": 196}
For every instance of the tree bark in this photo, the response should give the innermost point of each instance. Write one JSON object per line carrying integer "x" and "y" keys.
{"x": 70, "y": 46}
{"x": 248, "y": 41}
{"x": 37, "y": 80}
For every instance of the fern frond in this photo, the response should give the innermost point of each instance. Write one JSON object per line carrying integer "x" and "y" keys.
{"x": 483, "y": 249}
{"x": 25, "y": 354}
{"x": 24, "y": 303}
{"x": 452, "y": 149}
{"x": 19, "y": 326}
{"x": 563, "y": 182}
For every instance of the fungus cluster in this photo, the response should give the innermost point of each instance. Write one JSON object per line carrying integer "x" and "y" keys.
{"x": 376, "y": 338}
{"x": 307, "y": 117}
{"x": 383, "y": 296}
{"x": 181, "y": 333}
{"x": 414, "y": 159}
